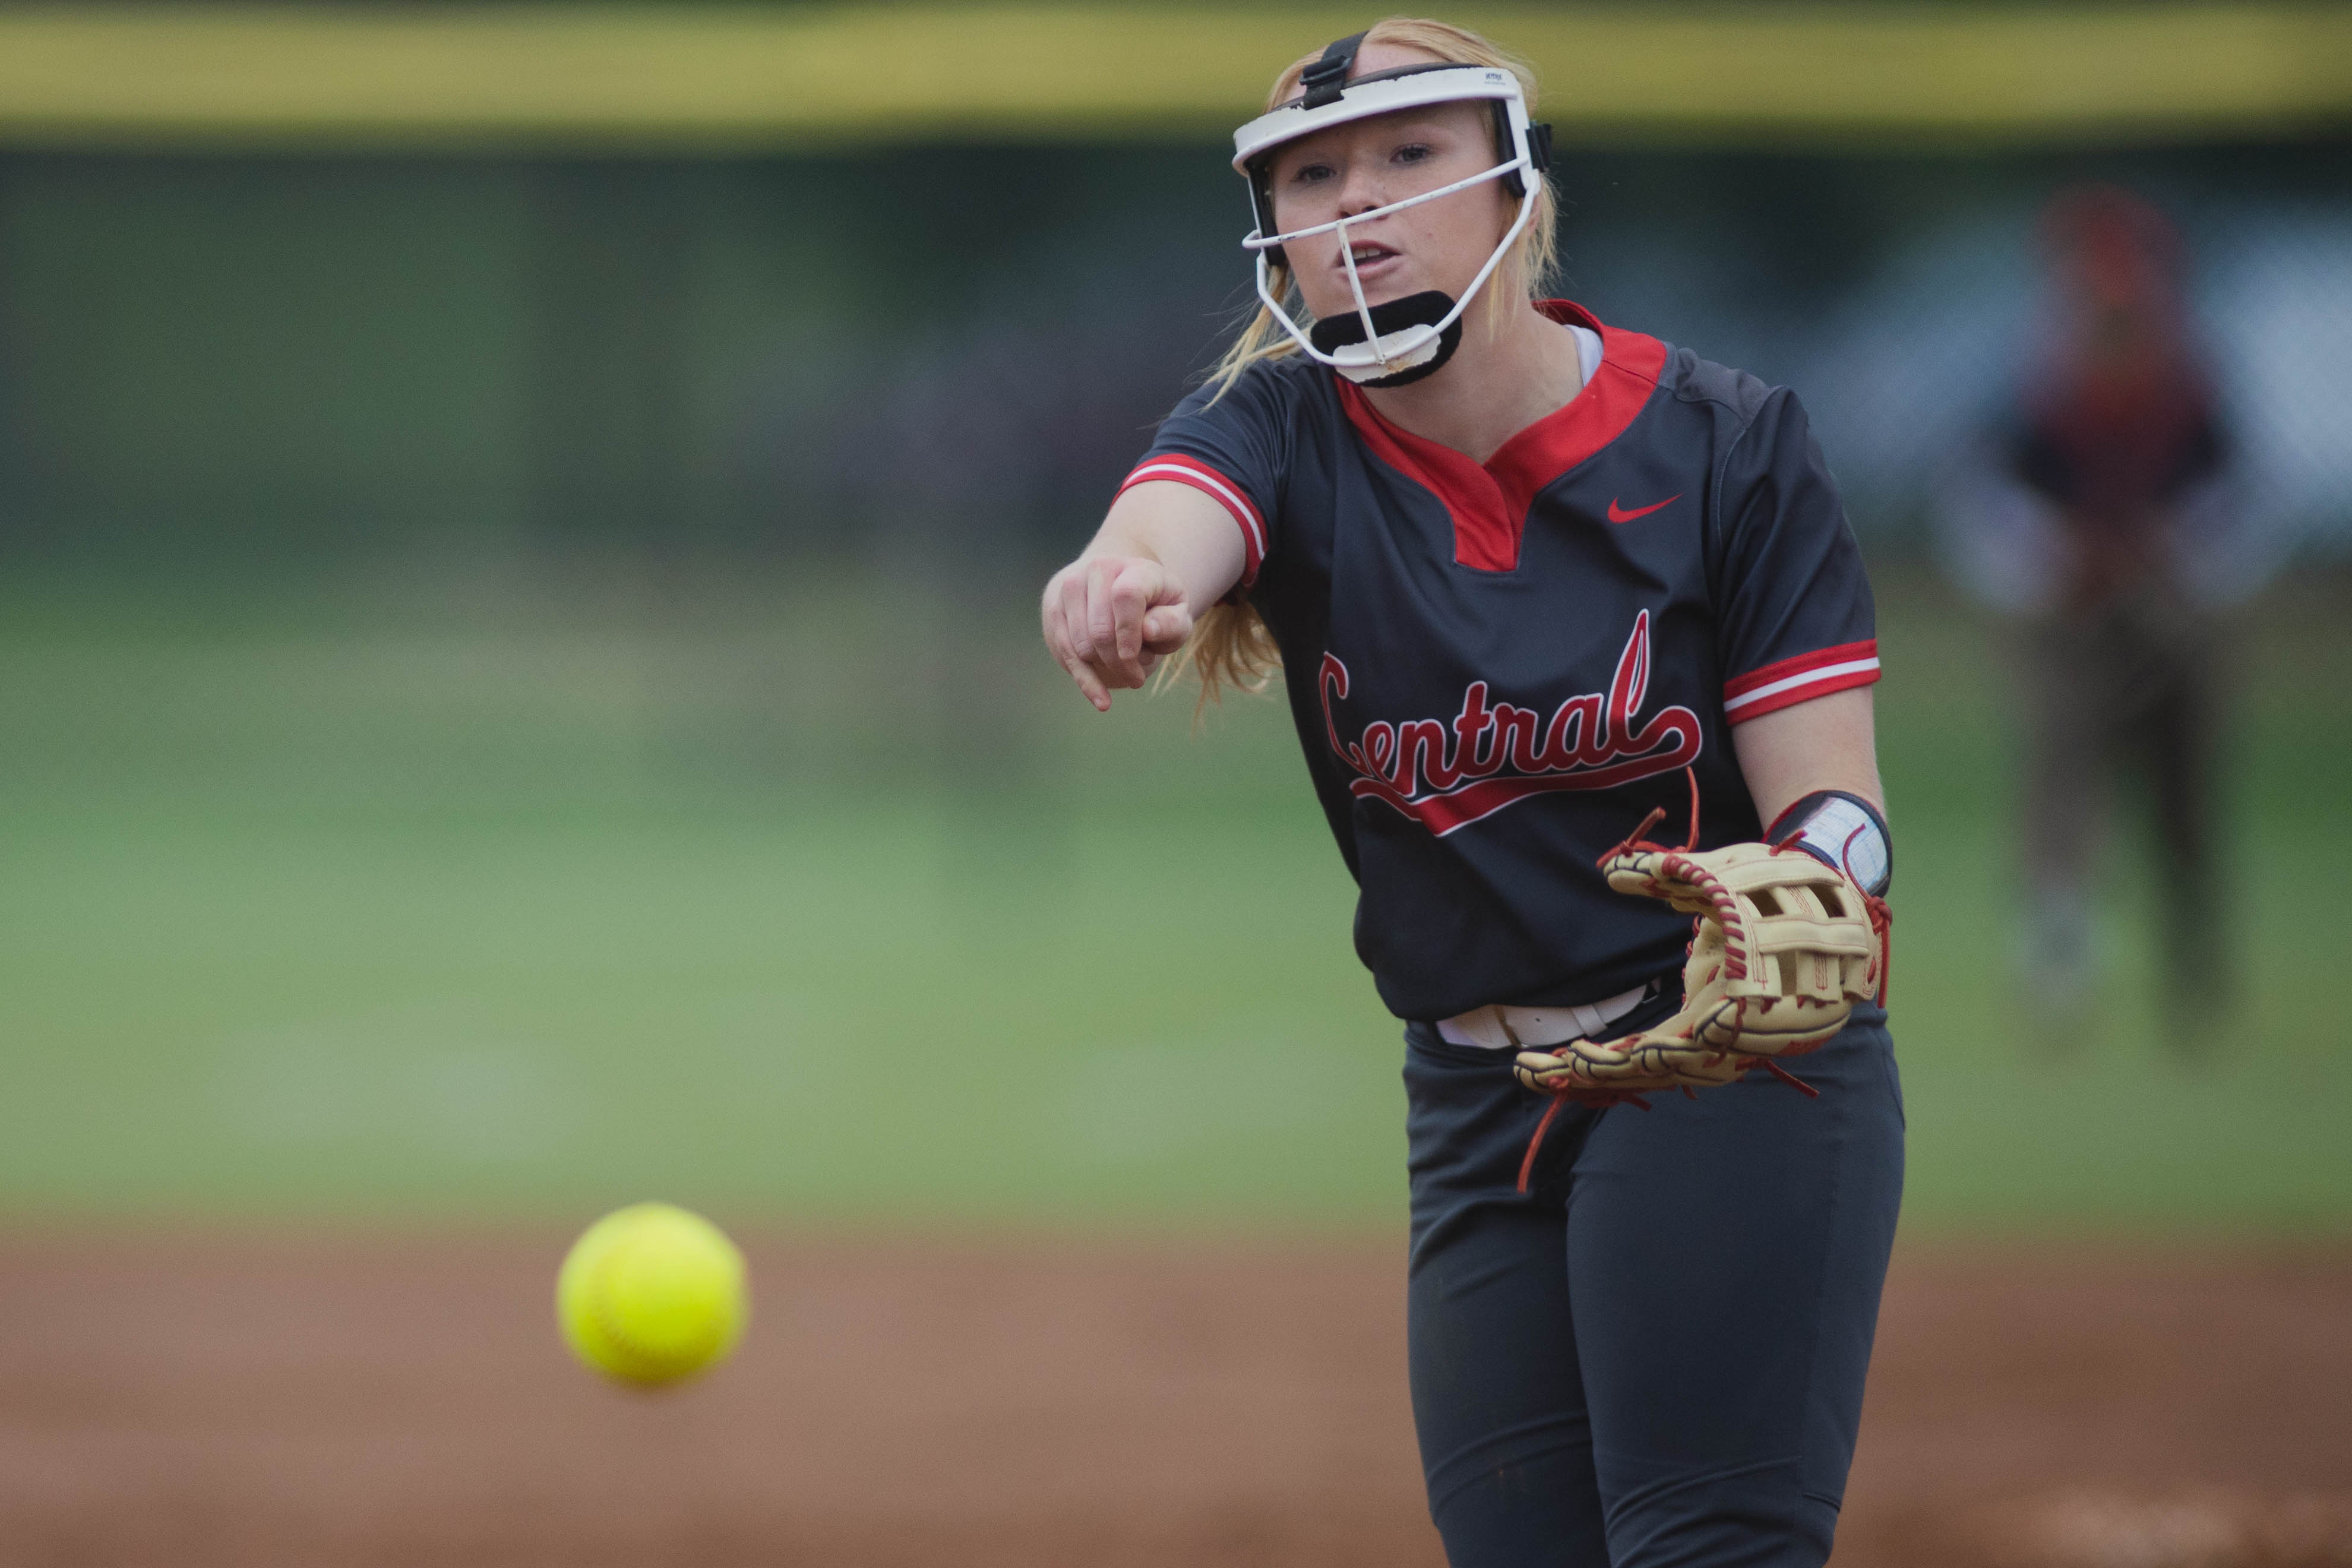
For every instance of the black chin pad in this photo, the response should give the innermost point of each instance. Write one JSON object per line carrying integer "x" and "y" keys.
{"x": 1425, "y": 309}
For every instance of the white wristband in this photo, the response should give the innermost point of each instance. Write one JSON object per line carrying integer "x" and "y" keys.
{"x": 1846, "y": 834}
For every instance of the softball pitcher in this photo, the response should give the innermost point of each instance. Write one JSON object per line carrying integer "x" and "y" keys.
{"x": 1533, "y": 584}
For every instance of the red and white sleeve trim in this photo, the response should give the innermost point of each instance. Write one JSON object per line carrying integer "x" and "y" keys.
{"x": 1191, "y": 471}
{"x": 1789, "y": 682}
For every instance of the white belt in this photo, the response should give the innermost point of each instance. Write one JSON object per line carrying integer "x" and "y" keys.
{"x": 1499, "y": 1029}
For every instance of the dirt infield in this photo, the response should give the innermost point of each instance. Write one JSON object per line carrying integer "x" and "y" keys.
{"x": 203, "y": 1400}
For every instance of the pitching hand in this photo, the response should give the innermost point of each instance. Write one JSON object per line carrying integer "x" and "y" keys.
{"x": 1109, "y": 620}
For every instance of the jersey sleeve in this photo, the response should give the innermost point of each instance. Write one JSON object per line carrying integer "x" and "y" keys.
{"x": 1795, "y": 620}
{"x": 1233, "y": 449}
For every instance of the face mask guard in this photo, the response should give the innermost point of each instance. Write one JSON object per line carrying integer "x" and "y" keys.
{"x": 1389, "y": 351}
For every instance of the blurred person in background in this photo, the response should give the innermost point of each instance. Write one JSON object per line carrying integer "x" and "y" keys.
{"x": 2087, "y": 516}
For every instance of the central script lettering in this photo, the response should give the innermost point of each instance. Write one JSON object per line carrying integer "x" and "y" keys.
{"x": 1447, "y": 774}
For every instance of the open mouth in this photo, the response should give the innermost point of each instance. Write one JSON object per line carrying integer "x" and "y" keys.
{"x": 1366, "y": 253}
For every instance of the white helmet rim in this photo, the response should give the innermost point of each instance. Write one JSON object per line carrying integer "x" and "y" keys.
{"x": 1376, "y": 95}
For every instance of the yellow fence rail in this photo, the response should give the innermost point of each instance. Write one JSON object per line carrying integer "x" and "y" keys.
{"x": 688, "y": 78}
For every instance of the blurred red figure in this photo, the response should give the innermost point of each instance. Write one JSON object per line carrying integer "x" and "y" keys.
{"x": 2120, "y": 439}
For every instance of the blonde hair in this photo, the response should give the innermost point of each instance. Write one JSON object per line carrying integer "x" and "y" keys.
{"x": 1231, "y": 645}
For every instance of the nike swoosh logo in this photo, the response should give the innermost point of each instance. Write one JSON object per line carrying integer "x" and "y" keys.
{"x": 1618, "y": 514}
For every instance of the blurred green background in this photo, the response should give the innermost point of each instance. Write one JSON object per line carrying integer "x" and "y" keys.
{"x": 462, "y": 894}
{"x": 518, "y": 687}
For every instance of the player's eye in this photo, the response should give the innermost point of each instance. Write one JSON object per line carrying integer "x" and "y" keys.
{"x": 1415, "y": 153}
{"x": 1312, "y": 174}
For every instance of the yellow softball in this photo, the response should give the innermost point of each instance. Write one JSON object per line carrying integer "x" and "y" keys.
{"x": 650, "y": 1294}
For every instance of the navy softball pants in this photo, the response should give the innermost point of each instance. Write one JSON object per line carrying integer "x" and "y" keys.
{"x": 1655, "y": 1357}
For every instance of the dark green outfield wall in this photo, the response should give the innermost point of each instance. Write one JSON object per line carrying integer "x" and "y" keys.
{"x": 297, "y": 352}
{"x": 215, "y": 358}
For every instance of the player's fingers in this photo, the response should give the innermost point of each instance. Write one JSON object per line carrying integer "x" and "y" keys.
{"x": 1110, "y": 672}
{"x": 1127, "y": 673}
{"x": 1166, "y": 627}
{"x": 1058, "y": 641}
{"x": 1133, "y": 590}
{"x": 1076, "y": 591}
{"x": 1102, "y": 618}
{"x": 1089, "y": 683}
{"x": 1126, "y": 592}
{"x": 1053, "y": 623}
{"x": 1090, "y": 686}
{"x": 1130, "y": 598}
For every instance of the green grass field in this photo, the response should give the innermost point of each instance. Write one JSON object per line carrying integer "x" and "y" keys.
{"x": 472, "y": 896}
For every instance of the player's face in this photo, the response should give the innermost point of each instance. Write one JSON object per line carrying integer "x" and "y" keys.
{"x": 1369, "y": 164}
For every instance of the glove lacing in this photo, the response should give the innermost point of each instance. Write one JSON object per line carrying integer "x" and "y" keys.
{"x": 1882, "y": 922}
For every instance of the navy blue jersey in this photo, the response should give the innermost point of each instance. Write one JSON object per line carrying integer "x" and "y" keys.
{"x": 1497, "y": 669}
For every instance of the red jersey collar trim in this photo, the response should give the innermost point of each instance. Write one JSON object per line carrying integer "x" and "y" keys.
{"x": 1489, "y": 504}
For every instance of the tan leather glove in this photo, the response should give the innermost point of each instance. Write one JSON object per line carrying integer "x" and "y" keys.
{"x": 1783, "y": 948}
